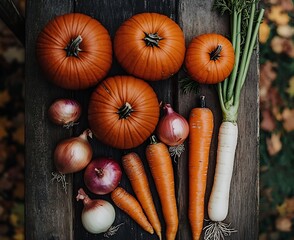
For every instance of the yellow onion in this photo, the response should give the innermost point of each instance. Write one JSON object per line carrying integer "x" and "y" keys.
{"x": 64, "y": 112}
{"x": 173, "y": 128}
{"x": 73, "y": 154}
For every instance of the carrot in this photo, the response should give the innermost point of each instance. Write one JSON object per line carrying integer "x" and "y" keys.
{"x": 201, "y": 128}
{"x": 134, "y": 169}
{"x": 160, "y": 164}
{"x": 132, "y": 207}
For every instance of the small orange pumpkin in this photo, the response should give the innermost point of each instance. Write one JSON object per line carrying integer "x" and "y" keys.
{"x": 123, "y": 111}
{"x": 209, "y": 58}
{"x": 150, "y": 46}
{"x": 74, "y": 51}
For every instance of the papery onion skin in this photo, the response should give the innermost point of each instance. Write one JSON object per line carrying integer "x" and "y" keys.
{"x": 73, "y": 154}
{"x": 97, "y": 215}
{"x": 102, "y": 175}
{"x": 64, "y": 111}
{"x": 172, "y": 128}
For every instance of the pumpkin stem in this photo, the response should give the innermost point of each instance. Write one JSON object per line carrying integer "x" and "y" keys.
{"x": 215, "y": 54}
{"x": 125, "y": 111}
{"x": 152, "y": 39}
{"x": 73, "y": 49}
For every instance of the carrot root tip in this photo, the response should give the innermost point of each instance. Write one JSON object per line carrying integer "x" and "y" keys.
{"x": 217, "y": 231}
{"x": 112, "y": 230}
{"x": 176, "y": 151}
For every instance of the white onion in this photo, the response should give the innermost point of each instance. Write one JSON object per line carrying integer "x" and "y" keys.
{"x": 97, "y": 215}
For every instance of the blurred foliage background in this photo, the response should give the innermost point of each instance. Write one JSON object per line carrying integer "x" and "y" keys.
{"x": 11, "y": 134}
{"x": 276, "y": 126}
{"x": 277, "y": 121}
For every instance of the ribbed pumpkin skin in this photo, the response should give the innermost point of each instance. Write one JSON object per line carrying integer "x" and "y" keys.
{"x": 109, "y": 97}
{"x": 198, "y": 62}
{"x": 70, "y": 72}
{"x": 150, "y": 62}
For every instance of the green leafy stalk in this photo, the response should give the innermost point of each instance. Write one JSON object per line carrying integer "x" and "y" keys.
{"x": 242, "y": 12}
{"x": 237, "y": 47}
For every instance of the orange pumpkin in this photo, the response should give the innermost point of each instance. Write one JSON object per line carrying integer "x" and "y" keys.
{"x": 209, "y": 58}
{"x": 74, "y": 51}
{"x": 123, "y": 111}
{"x": 150, "y": 46}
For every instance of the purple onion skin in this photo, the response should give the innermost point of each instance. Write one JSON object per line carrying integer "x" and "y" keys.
{"x": 102, "y": 175}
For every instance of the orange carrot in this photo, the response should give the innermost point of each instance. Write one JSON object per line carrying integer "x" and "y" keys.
{"x": 134, "y": 169}
{"x": 201, "y": 128}
{"x": 132, "y": 207}
{"x": 160, "y": 164}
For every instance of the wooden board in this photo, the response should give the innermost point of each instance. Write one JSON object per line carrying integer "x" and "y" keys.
{"x": 53, "y": 214}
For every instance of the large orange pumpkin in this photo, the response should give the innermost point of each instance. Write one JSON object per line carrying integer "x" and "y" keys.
{"x": 74, "y": 51}
{"x": 123, "y": 111}
{"x": 150, "y": 46}
{"x": 209, "y": 58}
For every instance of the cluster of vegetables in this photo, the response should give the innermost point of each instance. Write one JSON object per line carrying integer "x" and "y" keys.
{"x": 124, "y": 111}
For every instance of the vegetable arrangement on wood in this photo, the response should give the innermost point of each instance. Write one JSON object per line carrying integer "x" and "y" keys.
{"x": 124, "y": 111}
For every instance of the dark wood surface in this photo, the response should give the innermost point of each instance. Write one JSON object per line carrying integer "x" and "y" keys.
{"x": 51, "y": 213}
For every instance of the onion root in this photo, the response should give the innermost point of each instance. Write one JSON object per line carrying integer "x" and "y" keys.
{"x": 60, "y": 178}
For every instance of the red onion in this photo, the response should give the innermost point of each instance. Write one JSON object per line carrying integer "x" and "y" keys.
{"x": 97, "y": 215}
{"x": 64, "y": 112}
{"x": 172, "y": 128}
{"x": 102, "y": 175}
{"x": 73, "y": 154}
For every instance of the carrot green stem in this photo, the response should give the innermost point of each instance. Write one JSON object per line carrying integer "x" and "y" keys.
{"x": 228, "y": 81}
{"x": 224, "y": 87}
{"x": 229, "y": 91}
{"x": 237, "y": 47}
{"x": 245, "y": 54}
{"x": 254, "y": 37}
{"x": 220, "y": 95}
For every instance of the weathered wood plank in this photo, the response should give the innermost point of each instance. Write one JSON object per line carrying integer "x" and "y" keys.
{"x": 112, "y": 14}
{"x": 197, "y": 17}
{"x": 48, "y": 209}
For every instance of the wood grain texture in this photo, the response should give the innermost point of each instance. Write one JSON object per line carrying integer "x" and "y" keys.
{"x": 112, "y": 14}
{"x": 198, "y": 18}
{"x": 48, "y": 209}
{"x": 52, "y": 214}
